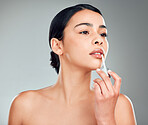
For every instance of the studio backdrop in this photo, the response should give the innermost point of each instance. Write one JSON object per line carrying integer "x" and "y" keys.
{"x": 25, "y": 53}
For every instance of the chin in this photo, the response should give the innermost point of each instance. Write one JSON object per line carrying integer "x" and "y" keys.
{"x": 91, "y": 65}
{"x": 95, "y": 67}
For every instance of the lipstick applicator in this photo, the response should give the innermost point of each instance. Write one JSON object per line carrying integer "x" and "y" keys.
{"x": 104, "y": 66}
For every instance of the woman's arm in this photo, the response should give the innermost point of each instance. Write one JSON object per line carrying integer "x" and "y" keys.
{"x": 124, "y": 112}
{"x": 21, "y": 108}
{"x": 15, "y": 113}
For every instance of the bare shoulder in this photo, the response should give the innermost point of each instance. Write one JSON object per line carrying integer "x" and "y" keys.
{"x": 25, "y": 98}
{"x": 124, "y": 112}
{"x": 31, "y": 97}
{"x": 20, "y": 106}
{"x": 24, "y": 105}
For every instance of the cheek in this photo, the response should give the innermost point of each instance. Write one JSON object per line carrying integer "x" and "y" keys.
{"x": 76, "y": 49}
{"x": 75, "y": 43}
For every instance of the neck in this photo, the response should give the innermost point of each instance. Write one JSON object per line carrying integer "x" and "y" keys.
{"x": 73, "y": 84}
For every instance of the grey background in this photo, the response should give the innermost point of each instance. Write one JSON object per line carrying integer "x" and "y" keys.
{"x": 24, "y": 50}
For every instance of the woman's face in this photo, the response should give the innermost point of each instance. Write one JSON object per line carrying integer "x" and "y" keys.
{"x": 81, "y": 33}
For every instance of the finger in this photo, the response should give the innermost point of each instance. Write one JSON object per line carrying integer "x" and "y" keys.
{"x": 97, "y": 89}
{"x": 117, "y": 82}
{"x": 106, "y": 80}
{"x": 102, "y": 85}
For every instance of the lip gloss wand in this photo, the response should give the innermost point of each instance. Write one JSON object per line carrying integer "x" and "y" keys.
{"x": 103, "y": 64}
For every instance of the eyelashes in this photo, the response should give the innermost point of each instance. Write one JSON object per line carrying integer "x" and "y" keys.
{"x": 84, "y": 32}
{"x": 104, "y": 35}
{"x": 87, "y": 32}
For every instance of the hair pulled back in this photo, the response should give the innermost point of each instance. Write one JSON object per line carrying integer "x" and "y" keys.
{"x": 58, "y": 25}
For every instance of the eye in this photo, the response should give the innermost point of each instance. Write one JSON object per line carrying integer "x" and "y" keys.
{"x": 104, "y": 34}
{"x": 84, "y": 32}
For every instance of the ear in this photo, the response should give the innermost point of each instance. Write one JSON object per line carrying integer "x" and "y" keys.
{"x": 57, "y": 46}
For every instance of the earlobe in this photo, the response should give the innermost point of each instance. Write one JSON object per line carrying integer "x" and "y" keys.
{"x": 56, "y": 46}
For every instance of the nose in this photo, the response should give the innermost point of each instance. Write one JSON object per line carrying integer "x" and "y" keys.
{"x": 97, "y": 41}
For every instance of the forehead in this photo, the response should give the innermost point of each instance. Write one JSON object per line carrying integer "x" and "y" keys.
{"x": 86, "y": 16}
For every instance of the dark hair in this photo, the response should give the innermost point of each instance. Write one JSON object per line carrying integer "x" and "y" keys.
{"x": 58, "y": 25}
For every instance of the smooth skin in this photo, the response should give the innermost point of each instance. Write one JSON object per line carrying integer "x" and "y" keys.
{"x": 70, "y": 101}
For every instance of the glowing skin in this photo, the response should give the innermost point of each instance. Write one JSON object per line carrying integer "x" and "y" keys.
{"x": 78, "y": 43}
{"x": 75, "y": 59}
{"x": 70, "y": 101}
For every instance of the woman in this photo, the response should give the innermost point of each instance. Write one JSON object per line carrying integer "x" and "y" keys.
{"x": 77, "y": 37}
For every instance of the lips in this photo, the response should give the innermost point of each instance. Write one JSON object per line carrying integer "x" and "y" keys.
{"x": 97, "y": 53}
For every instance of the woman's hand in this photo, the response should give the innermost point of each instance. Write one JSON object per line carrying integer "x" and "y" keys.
{"x": 106, "y": 96}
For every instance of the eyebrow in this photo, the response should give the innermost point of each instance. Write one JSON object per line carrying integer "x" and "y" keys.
{"x": 102, "y": 26}
{"x": 89, "y": 24}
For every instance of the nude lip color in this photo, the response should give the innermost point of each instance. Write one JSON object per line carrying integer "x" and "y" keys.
{"x": 98, "y": 56}
{"x": 97, "y": 53}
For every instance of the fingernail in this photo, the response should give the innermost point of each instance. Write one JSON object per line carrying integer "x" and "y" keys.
{"x": 109, "y": 71}
{"x": 98, "y": 69}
